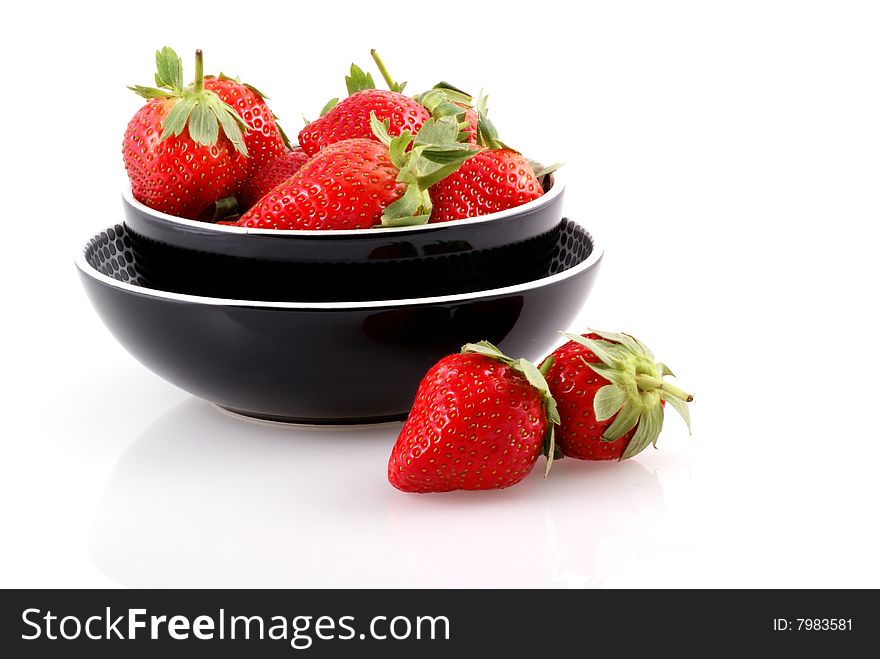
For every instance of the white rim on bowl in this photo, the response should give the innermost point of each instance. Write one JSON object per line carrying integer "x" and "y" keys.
{"x": 586, "y": 264}
{"x": 556, "y": 188}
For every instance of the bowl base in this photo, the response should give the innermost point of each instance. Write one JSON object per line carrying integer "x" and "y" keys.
{"x": 272, "y": 419}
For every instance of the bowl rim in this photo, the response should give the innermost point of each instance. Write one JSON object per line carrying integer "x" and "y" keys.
{"x": 557, "y": 186}
{"x": 594, "y": 257}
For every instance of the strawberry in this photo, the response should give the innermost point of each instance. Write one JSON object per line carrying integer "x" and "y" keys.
{"x": 496, "y": 179}
{"x": 265, "y": 141}
{"x": 346, "y": 186}
{"x": 611, "y": 396}
{"x": 351, "y": 119}
{"x": 359, "y": 183}
{"x": 479, "y": 422}
{"x": 177, "y": 158}
{"x": 277, "y": 171}
{"x": 493, "y": 180}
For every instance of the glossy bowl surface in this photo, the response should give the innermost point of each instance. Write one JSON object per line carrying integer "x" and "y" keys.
{"x": 325, "y": 362}
{"x": 515, "y": 225}
{"x": 198, "y": 258}
{"x": 208, "y": 275}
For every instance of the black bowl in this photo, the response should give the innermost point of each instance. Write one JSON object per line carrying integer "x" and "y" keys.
{"x": 515, "y": 225}
{"x": 200, "y": 258}
{"x": 207, "y": 275}
{"x": 325, "y": 362}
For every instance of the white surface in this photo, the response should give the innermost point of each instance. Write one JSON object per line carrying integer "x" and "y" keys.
{"x": 727, "y": 155}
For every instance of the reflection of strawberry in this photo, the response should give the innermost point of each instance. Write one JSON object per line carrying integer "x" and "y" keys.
{"x": 265, "y": 140}
{"x": 611, "y": 396}
{"x": 493, "y": 180}
{"x": 276, "y": 172}
{"x": 479, "y": 421}
{"x": 178, "y": 159}
{"x": 359, "y": 183}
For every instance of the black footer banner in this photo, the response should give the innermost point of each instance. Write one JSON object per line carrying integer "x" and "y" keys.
{"x": 317, "y": 623}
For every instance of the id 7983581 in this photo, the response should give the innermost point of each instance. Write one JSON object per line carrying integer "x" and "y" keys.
{"x": 813, "y": 624}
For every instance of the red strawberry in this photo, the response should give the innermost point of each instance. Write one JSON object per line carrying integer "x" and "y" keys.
{"x": 270, "y": 176}
{"x": 351, "y": 119}
{"x": 493, "y": 180}
{"x": 611, "y": 395}
{"x": 264, "y": 141}
{"x": 346, "y": 186}
{"x": 177, "y": 158}
{"x": 479, "y": 422}
{"x": 359, "y": 183}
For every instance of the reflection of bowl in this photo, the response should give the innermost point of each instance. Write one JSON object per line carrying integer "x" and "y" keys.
{"x": 202, "y": 500}
{"x": 324, "y": 362}
{"x": 200, "y": 258}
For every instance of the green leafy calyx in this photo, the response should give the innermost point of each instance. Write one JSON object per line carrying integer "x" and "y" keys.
{"x": 633, "y": 397}
{"x": 329, "y": 105}
{"x": 422, "y": 160}
{"x": 544, "y": 170}
{"x": 357, "y": 80}
{"x": 444, "y": 101}
{"x": 195, "y": 108}
{"x": 487, "y": 135}
{"x": 536, "y": 379}
{"x": 284, "y": 137}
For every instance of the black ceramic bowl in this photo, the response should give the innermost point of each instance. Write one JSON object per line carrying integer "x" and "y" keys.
{"x": 325, "y": 362}
{"x": 199, "y": 258}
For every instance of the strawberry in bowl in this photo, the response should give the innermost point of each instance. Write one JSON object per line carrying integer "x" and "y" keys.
{"x": 220, "y": 204}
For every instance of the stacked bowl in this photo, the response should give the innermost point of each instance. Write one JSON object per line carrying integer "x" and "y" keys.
{"x": 333, "y": 327}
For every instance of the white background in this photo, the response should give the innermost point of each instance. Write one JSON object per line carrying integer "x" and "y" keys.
{"x": 727, "y": 153}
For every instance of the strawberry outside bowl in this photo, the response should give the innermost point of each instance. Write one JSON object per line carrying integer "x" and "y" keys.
{"x": 214, "y": 260}
{"x": 325, "y": 362}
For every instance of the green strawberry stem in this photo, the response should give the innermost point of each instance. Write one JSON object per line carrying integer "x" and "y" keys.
{"x": 634, "y": 396}
{"x": 199, "y": 84}
{"x": 193, "y": 108}
{"x": 225, "y": 208}
{"x": 650, "y": 383}
{"x": 392, "y": 84}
